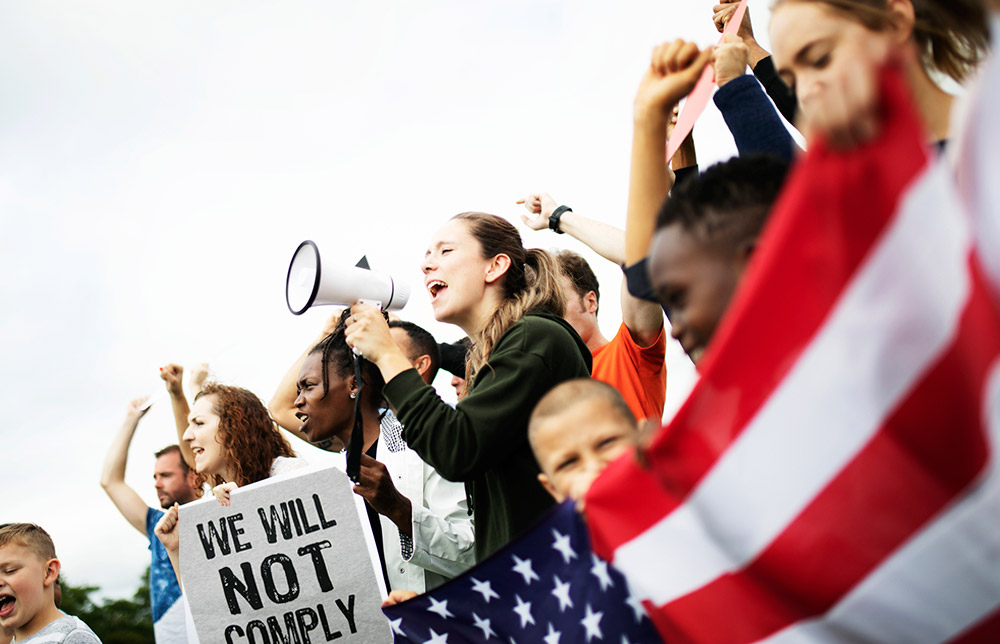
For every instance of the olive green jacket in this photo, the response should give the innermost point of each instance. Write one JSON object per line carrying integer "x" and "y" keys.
{"x": 483, "y": 441}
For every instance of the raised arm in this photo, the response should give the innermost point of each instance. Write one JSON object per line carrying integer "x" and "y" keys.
{"x": 604, "y": 239}
{"x": 758, "y": 58}
{"x": 643, "y": 319}
{"x": 168, "y": 532}
{"x": 751, "y": 118}
{"x": 282, "y": 404}
{"x": 197, "y": 378}
{"x": 671, "y": 75}
{"x": 172, "y": 375}
{"x": 128, "y": 502}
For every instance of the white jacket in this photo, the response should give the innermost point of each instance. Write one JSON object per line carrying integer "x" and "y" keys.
{"x": 443, "y": 545}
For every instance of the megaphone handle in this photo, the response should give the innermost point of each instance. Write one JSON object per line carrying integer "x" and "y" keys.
{"x": 356, "y": 444}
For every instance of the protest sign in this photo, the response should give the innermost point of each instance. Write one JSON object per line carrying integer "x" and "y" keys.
{"x": 287, "y": 562}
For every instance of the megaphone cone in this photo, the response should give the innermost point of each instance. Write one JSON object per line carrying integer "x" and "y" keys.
{"x": 313, "y": 282}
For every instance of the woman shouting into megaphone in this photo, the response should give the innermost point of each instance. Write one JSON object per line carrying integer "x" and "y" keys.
{"x": 508, "y": 300}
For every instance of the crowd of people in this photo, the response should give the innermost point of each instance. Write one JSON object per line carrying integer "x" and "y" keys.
{"x": 546, "y": 401}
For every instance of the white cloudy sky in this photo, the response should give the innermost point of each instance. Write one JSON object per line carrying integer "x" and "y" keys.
{"x": 159, "y": 162}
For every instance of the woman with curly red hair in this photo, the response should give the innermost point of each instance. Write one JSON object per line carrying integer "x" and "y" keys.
{"x": 233, "y": 439}
{"x": 234, "y": 442}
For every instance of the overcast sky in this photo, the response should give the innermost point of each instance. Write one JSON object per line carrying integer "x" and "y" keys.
{"x": 159, "y": 162}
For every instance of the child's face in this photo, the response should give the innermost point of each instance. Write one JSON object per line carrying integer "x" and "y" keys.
{"x": 695, "y": 283}
{"x": 573, "y": 447}
{"x": 202, "y": 435}
{"x": 24, "y": 577}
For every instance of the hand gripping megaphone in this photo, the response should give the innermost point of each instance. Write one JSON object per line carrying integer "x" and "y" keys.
{"x": 311, "y": 282}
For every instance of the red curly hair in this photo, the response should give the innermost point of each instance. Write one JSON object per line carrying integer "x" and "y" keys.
{"x": 249, "y": 438}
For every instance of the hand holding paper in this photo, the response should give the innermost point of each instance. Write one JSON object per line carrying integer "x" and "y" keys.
{"x": 222, "y": 491}
{"x": 699, "y": 95}
{"x": 730, "y": 60}
{"x": 672, "y": 73}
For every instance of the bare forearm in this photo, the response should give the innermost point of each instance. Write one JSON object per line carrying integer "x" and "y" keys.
{"x": 282, "y": 404}
{"x": 179, "y": 404}
{"x": 685, "y": 157}
{"x": 117, "y": 458}
{"x": 403, "y": 517}
{"x": 757, "y": 53}
{"x": 643, "y": 319}
{"x": 130, "y": 504}
{"x": 175, "y": 563}
{"x": 648, "y": 185}
{"x": 604, "y": 239}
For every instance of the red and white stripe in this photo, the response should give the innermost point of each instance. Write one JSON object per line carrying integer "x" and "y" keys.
{"x": 831, "y": 477}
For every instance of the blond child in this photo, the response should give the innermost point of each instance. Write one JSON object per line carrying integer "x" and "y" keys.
{"x": 575, "y": 431}
{"x": 29, "y": 572}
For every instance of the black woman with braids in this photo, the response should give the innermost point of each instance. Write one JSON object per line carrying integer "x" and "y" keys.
{"x": 421, "y": 523}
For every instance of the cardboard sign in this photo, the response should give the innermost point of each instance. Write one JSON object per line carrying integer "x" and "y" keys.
{"x": 286, "y": 562}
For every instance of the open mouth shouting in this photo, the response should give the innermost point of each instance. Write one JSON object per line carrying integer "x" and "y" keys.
{"x": 435, "y": 287}
{"x": 7, "y": 606}
{"x": 304, "y": 419}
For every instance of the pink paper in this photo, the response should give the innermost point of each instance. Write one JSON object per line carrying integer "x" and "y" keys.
{"x": 698, "y": 98}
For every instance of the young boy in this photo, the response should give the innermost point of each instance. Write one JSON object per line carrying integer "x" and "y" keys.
{"x": 705, "y": 234}
{"x": 28, "y": 574}
{"x": 575, "y": 430}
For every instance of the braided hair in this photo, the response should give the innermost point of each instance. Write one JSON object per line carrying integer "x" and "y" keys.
{"x": 335, "y": 351}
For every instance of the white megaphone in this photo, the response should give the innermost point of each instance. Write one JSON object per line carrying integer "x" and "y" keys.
{"x": 309, "y": 283}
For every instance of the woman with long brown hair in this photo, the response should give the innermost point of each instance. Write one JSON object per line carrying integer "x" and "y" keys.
{"x": 509, "y": 302}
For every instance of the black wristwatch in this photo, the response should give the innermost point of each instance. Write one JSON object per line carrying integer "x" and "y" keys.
{"x": 556, "y": 216}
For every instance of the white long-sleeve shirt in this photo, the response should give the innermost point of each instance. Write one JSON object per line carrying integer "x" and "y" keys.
{"x": 443, "y": 545}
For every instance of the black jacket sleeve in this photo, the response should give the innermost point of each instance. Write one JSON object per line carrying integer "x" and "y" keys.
{"x": 783, "y": 97}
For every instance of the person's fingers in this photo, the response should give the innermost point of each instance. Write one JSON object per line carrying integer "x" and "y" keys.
{"x": 668, "y": 54}
{"x": 658, "y": 54}
{"x": 397, "y": 597}
{"x": 686, "y": 55}
{"x": 691, "y": 72}
{"x": 365, "y": 492}
{"x": 722, "y": 17}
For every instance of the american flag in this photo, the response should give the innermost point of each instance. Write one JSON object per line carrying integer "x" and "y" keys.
{"x": 545, "y": 587}
{"x": 833, "y": 476}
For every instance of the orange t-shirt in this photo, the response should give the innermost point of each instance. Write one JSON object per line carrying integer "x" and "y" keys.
{"x": 640, "y": 374}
